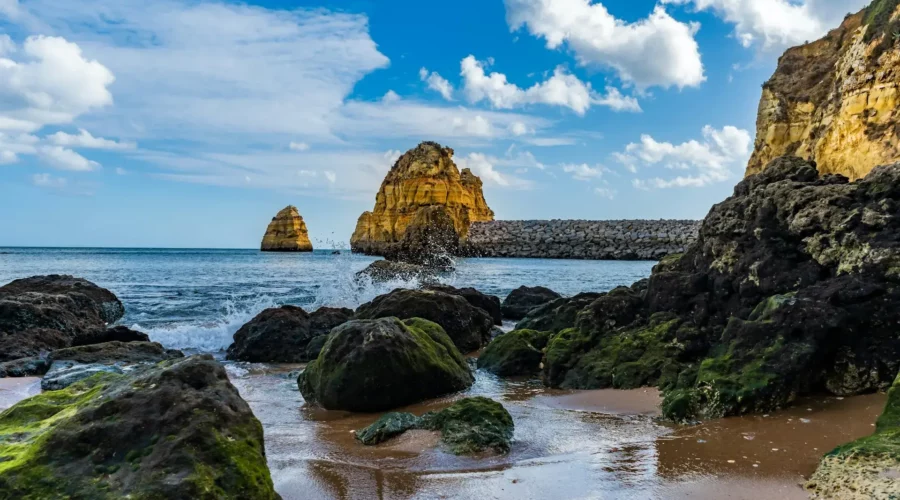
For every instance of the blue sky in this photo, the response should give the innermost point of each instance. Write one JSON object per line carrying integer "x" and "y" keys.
{"x": 186, "y": 123}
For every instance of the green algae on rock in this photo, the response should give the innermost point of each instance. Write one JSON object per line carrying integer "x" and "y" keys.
{"x": 868, "y": 467}
{"x": 178, "y": 429}
{"x": 514, "y": 353}
{"x": 379, "y": 364}
{"x": 471, "y": 425}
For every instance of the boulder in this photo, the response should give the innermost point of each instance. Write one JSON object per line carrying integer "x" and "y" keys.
{"x": 471, "y": 425}
{"x": 469, "y": 327}
{"x": 43, "y": 313}
{"x": 282, "y": 334}
{"x": 867, "y": 467}
{"x": 114, "y": 334}
{"x": 286, "y": 233}
{"x": 429, "y": 240}
{"x": 488, "y": 303}
{"x": 382, "y": 271}
{"x": 63, "y": 374}
{"x": 518, "y": 352}
{"x": 524, "y": 299}
{"x": 25, "y": 367}
{"x": 557, "y": 315}
{"x": 379, "y": 364}
{"x": 116, "y": 353}
{"x": 178, "y": 429}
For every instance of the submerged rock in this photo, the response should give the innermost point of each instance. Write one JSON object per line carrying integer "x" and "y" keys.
{"x": 286, "y": 233}
{"x": 382, "y": 271}
{"x": 791, "y": 288}
{"x": 469, "y": 327}
{"x": 43, "y": 313}
{"x": 282, "y": 334}
{"x": 471, "y": 425}
{"x": 868, "y": 467}
{"x": 174, "y": 430}
{"x": 514, "y": 353}
{"x": 488, "y": 303}
{"x": 379, "y": 364}
{"x": 524, "y": 299}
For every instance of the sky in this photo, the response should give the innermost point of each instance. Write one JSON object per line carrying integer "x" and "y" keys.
{"x": 190, "y": 123}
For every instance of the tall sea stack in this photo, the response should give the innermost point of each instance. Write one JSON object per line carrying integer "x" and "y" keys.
{"x": 835, "y": 100}
{"x": 423, "y": 177}
{"x": 286, "y": 233}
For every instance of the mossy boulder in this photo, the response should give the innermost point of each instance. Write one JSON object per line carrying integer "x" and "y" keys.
{"x": 867, "y": 467}
{"x": 178, "y": 429}
{"x": 379, "y": 364}
{"x": 525, "y": 299}
{"x": 282, "y": 334}
{"x": 471, "y": 425}
{"x": 557, "y": 315}
{"x": 468, "y": 326}
{"x": 514, "y": 353}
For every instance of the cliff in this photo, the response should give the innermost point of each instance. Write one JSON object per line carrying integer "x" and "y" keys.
{"x": 286, "y": 233}
{"x": 422, "y": 177}
{"x": 835, "y": 100}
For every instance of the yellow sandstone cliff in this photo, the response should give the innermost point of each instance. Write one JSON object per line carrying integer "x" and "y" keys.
{"x": 423, "y": 176}
{"x": 835, "y": 100}
{"x": 286, "y": 233}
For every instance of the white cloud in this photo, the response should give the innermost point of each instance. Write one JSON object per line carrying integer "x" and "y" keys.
{"x": 66, "y": 159}
{"x": 390, "y": 96}
{"x": 774, "y": 25}
{"x": 562, "y": 89}
{"x": 583, "y": 171}
{"x": 656, "y": 51}
{"x": 519, "y": 128}
{"x": 50, "y": 83}
{"x": 48, "y": 181}
{"x": 121, "y": 171}
{"x": 84, "y": 139}
{"x": 606, "y": 193}
{"x": 298, "y": 146}
{"x": 331, "y": 176}
{"x": 484, "y": 167}
{"x": 307, "y": 173}
{"x": 437, "y": 83}
{"x": 710, "y": 160}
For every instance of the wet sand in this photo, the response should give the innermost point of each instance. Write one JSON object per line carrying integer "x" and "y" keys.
{"x": 567, "y": 444}
{"x": 15, "y": 389}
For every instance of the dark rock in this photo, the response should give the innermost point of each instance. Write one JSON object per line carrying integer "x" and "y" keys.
{"x": 315, "y": 346}
{"x": 515, "y": 353}
{"x": 116, "y": 352}
{"x": 282, "y": 334}
{"x": 489, "y": 303}
{"x": 430, "y": 240}
{"x": 114, "y": 334}
{"x": 174, "y": 430}
{"x": 25, "y": 367}
{"x": 523, "y": 300}
{"x": 43, "y": 313}
{"x": 557, "y": 315}
{"x": 387, "y": 270}
{"x": 469, "y": 327}
{"x": 791, "y": 289}
{"x": 62, "y": 374}
{"x": 376, "y": 365}
{"x": 390, "y": 425}
{"x": 471, "y": 425}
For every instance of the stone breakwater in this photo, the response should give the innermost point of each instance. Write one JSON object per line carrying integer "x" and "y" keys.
{"x": 581, "y": 239}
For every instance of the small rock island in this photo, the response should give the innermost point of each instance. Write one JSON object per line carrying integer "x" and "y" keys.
{"x": 287, "y": 233}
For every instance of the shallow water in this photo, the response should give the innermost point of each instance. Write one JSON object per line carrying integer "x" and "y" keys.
{"x": 567, "y": 444}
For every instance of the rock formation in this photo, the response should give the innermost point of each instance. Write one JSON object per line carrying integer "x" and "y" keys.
{"x": 282, "y": 334}
{"x": 518, "y": 352}
{"x": 176, "y": 429}
{"x": 423, "y": 177}
{"x": 286, "y": 233}
{"x": 523, "y": 300}
{"x": 835, "y": 100}
{"x": 792, "y": 288}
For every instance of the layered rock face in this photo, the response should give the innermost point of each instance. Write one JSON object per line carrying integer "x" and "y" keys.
{"x": 790, "y": 289}
{"x": 425, "y": 176}
{"x": 287, "y": 233}
{"x": 835, "y": 101}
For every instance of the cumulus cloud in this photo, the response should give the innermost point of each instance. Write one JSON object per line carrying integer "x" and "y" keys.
{"x": 331, "y": 176}
{"x": 483, "y": 166}
{"x": 298, "y": 146}
{"x": 562, "y": 89}
{"x": 437, "y": 83}
{"x": 656, "y": 51}
{"x": 607, "y": 193}
{"x": 703, "y": 162}
{"x": 583, "y": 171}
{"x": 774, "y": 25}
{"x": 84, "y": 139}
{"x": 48, "y": 181}
{"x": 390, "y": 96}
{"x": 49, "y": 82}
{"x": 66, "y": 159}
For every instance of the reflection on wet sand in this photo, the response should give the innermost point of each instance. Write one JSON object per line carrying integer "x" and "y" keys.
{"x": 13, "y": 390}
{"x": 588, "y": 444}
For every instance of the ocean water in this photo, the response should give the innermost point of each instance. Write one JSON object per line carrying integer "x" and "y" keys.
{"x": 197, "y": 298}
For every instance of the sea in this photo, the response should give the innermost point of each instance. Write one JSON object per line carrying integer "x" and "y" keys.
{"x": 197, "y": 298}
